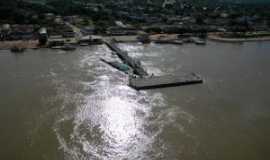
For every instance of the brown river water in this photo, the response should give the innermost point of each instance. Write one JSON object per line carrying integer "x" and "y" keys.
{"x": 59, "y": 105}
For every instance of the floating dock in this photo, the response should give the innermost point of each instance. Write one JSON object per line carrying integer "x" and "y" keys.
{"x": 164, "y": 81}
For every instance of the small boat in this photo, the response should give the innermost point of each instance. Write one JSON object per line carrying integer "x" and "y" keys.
{"x": 120, "y": 66}
{"x": 198, "y": 41}
{"x": 68, "y": 48}
{"x": 176, "y": 42}
{"x": 84, "y": 44}
{"x": 57, "y": 47}
{"x": 17, "y": 49}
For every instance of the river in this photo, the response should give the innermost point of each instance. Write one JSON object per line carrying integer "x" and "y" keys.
{"x": 59, "y": 105}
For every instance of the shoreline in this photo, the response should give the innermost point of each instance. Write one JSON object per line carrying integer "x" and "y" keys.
{"x": 34, "y": 44}
{"x": 29, "y": 44}
{"x": 237, "y": 40}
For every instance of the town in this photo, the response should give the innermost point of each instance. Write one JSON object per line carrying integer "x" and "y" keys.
{"x": 59, "y": 24}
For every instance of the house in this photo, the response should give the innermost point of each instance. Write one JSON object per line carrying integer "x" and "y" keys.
{"x": 21, "y": 32}
{"x": 167, "y": 3}
{"x": 58, "y": 20}
{"x": 49, "y": 16}
{"x": 42, "y": 36}
{"x": 6, "y": 27}
{"x": 120, "y": 24}
{"x": 224, "y": 15}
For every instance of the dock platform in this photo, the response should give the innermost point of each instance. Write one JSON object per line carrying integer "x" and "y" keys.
{"x": 164, "y": 81}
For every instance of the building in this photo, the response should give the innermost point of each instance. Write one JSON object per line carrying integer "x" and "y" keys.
{"x": 167, "y": 3}
{"x": 42, "y": 36}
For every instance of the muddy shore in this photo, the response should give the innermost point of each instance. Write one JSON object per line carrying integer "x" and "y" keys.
{"x": 29, "y": 44}
{"x": 216, "y": 37}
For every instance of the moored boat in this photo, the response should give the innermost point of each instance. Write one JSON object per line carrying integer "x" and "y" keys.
{"x": 17, "y": 49}
{"x": 120, "y": 66}
{"x": 68, "y": 48}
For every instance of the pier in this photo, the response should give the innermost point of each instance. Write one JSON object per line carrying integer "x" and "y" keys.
{"x": 144, "y": 81}
{"x": 133, "y": 63}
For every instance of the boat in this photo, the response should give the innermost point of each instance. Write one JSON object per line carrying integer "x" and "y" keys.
{"x": 177, "y": 42}
{"x": 57, "y": 47}
{"x": 17, "y": 49}
{"x": 84, "y": 44}
{"x": 68, "y": 48}
{"x": 198, "y": 41}
{"x": 120, "y": 66}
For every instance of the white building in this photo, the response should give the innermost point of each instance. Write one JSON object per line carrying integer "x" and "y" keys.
{"x": 168, "y": 2}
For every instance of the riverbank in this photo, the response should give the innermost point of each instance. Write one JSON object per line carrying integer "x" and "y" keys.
{"x": 34, "y": 44}
{"x": 134, "y": 38}
{"x": 30, "y": 44}
{"x": 122, "y": 39}
{"x": 217, "y": 37}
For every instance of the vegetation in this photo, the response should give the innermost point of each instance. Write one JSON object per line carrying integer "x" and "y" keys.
{"x": 103, "y": 13}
